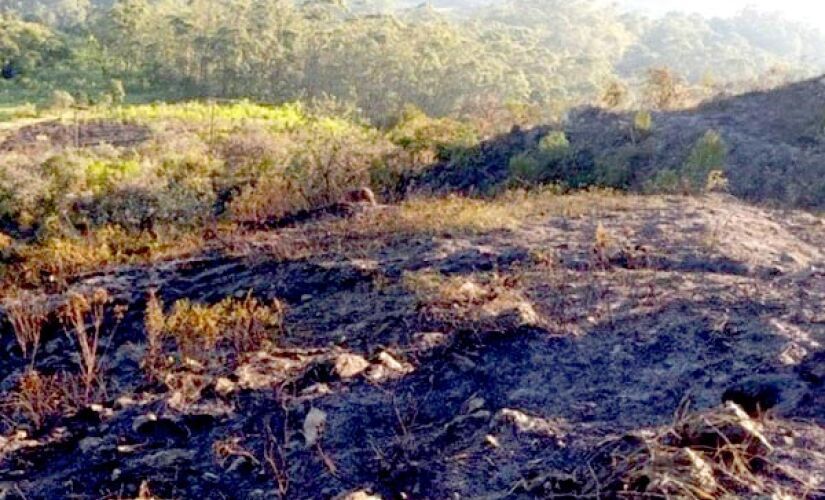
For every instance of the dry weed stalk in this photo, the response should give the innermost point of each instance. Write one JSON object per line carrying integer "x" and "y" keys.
{"x": 602, "y": 242}
{"x": 27, "y": 313}
{"x": 144, "y": 493}
{"x": 78, "y": 313}
{"x": 155, "y": 325}
{"x": 225, "y": 449}
{"x": 38, "y": 398}
{"x": 275, "y": 455}
{"x": 275, "y": 458}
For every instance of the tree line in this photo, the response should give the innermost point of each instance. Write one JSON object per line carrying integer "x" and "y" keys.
{"x": 378, "y": 55}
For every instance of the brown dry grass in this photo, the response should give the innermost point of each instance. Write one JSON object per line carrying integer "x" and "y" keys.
{"x": 37, "y": 398}
{"x": 27, "y": 312}
{"x": 85, "y": 317}
{"x": 717, "y": 453}
{"x": 54, "y": 261}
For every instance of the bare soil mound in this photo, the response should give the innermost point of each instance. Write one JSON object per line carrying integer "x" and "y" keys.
{"x": 82, "y": 134}
{"x": 573, "y": 356}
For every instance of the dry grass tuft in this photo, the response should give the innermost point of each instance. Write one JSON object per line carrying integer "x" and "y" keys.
{"x": 210, "y": 339}
{"x": 56, "y": 259}
{"x": 37, "y": 399}
{"x": 483, "y": 302}
{"x": 85, "y": 316}
{"x": 27, "y": 312}
{"x": 714, "y": 454}
{"x": 719, "y": 453}
{"x": 153, "y": 362}
{"x": 244, "y": 324}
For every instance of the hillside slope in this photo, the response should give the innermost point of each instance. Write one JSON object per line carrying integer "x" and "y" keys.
{"x": 527, "y": 346}
{"x": 775, "y": 141}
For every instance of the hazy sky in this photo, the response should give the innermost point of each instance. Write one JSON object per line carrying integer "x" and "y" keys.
{"x": 812, "y": 11}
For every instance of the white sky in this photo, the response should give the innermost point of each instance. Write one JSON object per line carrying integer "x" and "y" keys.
{"x": 810, "y": 11}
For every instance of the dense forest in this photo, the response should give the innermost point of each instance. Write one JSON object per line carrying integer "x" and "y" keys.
{"x": 378, "y": 55}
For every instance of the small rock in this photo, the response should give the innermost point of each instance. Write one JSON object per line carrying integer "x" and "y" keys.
{"x": 350, "y": 365}
{"x": 471, "y": 292}
{"x": 529, "y": 424}
{"x": 508, "y": 315}
{"x": 390, "y": 362}
{"x": 813, "y": 369}
{"x": 316, "y": 390}
{"x": 429, "y": 340}
{"x": 89, "y": 444}
{"x": 389, "y": 368}
{"x": 164, "y": 459}
{"x": 475, "y": 404}
{"x": 54, "y": 346}
{"x": 357, "y": 495}
{"x": 142, "y": 420}
{"x": 314, "y": 424}
{"x": 159, "y": 428}
{"x": 464, "y": 363}
{"x": 224, "y": 387}
{"x": 128, "y": 448}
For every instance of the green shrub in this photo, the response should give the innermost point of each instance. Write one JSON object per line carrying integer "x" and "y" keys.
{"x": 327, "y": 162}
{"x": 61, "y": 100}
{"x": 643, "y": 123}
{"x": 526, "y": 169}
{"x": 708, "y": 154}
{"x": 665, "y": 181}
{"x": 322, "y": 161}
{"x": 428, "y": 139}
{"x": 544, "y": 164}
{"x": 104, "y": 175}
{"x": 554, "y": 146}
{"x": 614, "y": 172}
{"x": 117, "y": 92}
{"x": 26, "y": 110}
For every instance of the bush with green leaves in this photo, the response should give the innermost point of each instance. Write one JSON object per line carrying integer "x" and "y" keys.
{"x": 708, "y": 154}
{"x": 427, "y": 139}
{"x": 61, "y": 100}
{"x": 117, "y": 92}
{"x": 642, "y": 124}
{"x": 546, "y": 163}
{"x": 666, "y": 181}
{"x": 328, "y": 161}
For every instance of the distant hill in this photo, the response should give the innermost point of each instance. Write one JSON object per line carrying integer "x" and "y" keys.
{"x": 775, "y": 141}
{"x": 774, "y": 144}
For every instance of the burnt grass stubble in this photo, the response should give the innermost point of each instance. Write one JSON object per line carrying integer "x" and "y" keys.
{"x": 413, "y": 435}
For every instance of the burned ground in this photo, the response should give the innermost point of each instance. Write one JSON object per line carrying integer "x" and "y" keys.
{"x": 774, "y": 142}
{"x": 498, "y": 363}
{"x": 69, "y": 133}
